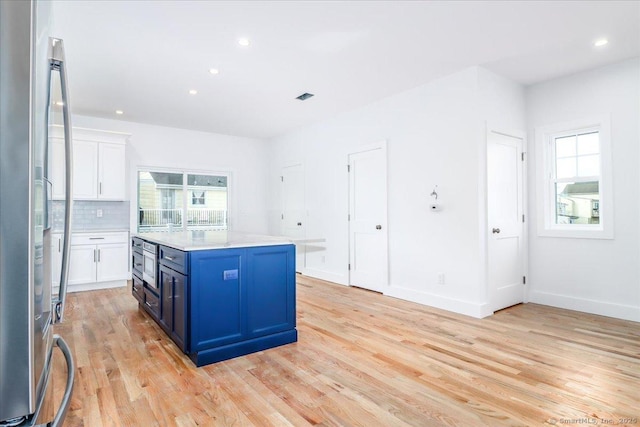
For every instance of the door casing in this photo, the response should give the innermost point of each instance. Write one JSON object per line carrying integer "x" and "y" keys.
{"x": 490, "y": 291}
{"x": 383, "y": 264}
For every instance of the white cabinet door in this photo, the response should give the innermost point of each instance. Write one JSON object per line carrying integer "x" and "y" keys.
{"x": 82, "y": 264}
{"x": 111, "y": 171}
{"x": 99, "y": 164}
{"x": 56, "y": 167}
{"x": 112, "y": 262}
{"x": 85, "y": 169}
{"x": 56, "y": 261}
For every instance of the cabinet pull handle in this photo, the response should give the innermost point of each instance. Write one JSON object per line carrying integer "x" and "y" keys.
{"x": 170, "y": 258}
{"x": 96, "y": 238}
{"x": 98, "y": 255}
{"x": 138, "y": 264}
{"x": 100, "y": 188}
{"x": 94, "y": 255}
{"x": 59, "y": 244}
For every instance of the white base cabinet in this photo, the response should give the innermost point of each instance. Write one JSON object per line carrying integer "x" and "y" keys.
{"x": 82, "y": 264}
{"x": 97, "y": 260}
{"x": 112, "y": 261}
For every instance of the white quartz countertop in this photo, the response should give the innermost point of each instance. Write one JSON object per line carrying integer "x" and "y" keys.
{"x": 204, "y": 240}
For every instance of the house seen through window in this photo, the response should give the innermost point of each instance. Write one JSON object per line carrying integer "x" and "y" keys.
{"x": 577, "y": 178}
{"x": 171, "y": 201}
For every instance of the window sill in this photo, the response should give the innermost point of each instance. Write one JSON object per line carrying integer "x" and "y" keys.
{"x": 577, "y": 233}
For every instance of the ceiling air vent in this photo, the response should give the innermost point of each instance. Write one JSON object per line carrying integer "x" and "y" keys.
{"x": 304, "y": 96}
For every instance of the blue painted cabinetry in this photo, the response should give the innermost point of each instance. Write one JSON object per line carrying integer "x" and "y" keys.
{"x": 173, "y": 310}
{"x": 241, "y": 301}
{"x": 221, "y": 303}
{"x": 217, "y": 306}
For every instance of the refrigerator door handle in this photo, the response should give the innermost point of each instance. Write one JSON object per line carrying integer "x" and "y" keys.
{"x": 58, "y": 420}
{"x": 57, "y": 63}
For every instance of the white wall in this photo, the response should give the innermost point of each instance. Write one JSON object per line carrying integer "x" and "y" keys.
{"x": 592, "y": 275}
{"x": 171, "y": 148}
{"x": 436, "y": 136}
{"x": 501, "y": 108}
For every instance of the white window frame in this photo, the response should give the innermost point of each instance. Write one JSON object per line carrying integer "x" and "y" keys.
{"x": 186, "y": 200}
{"x": 546, "y": 205}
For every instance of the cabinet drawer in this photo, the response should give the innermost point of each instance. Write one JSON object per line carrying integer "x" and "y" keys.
{"x": 138, "y": 289}
{"x": 99, "y": 238}
{"x": 173, "y": 258}
{"x": 152, "y": 303}
{"x": 136, "y": 244}
{"x": 136, "y": 264}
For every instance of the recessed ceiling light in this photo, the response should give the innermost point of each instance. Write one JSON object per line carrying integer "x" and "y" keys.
{"x": 213, "y": 71}
{"x": 601, "y": 42}
{"x": 243, "y": 41}
{"x": 193, "y": 92}
{"x": 119, "y": 112}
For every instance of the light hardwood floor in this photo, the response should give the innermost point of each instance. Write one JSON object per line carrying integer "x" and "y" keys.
{"x": 362, "y": 359}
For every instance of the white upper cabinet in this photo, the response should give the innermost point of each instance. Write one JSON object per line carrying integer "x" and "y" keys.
{"x": 85, "y": 169}
{"x": 99, "y": 164}
{"x": 111, "y": 171}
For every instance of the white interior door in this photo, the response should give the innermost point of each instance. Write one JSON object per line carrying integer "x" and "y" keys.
{"x": 293, "y": 218}
{"x": 368, "y": 252}
{"x": 505, "y": 220}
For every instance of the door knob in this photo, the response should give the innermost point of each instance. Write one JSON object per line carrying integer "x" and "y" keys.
{"x": 378, "y": 227}
{"x": 496, "y": 230}
{"x": 299, "y": 224}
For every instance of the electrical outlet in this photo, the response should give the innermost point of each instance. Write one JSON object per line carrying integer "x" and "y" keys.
{"x": 440, "y": 278}
{"x": 99, "y": 213}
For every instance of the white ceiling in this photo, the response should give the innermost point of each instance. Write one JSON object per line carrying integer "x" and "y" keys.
{"x": 142, "y": 57}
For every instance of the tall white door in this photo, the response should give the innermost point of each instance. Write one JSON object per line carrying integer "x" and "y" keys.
{"x": 505, "y": 220}
{"x": 293, "y": 218}
{"x": 368, "y": 252}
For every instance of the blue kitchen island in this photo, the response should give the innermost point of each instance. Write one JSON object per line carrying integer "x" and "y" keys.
{"x": 220, "y": 294}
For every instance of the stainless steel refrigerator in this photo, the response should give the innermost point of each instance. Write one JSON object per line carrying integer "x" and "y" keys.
{"x": 32, "y": 95}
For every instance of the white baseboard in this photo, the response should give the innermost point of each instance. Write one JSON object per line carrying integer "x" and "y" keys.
{"x": 325, "y": 275}
{"x": 467, "y": 308}
{"x": 95, "y": 286}
{"x": 457, "y": 306}
{"x": 618, "y": 311}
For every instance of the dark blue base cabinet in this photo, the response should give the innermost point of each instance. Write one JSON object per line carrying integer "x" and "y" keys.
{"x": 222, "y": 303}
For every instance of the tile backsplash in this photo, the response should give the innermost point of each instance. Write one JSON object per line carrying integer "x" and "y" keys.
{"x": 115, "y": 215}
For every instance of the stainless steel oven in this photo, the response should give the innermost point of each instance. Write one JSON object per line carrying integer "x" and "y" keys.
{"x": 149, "y": 264}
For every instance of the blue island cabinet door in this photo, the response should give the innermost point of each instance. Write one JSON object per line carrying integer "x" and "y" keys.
{"x": 216, "y": 298}
{"x": 271, "y": 290}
